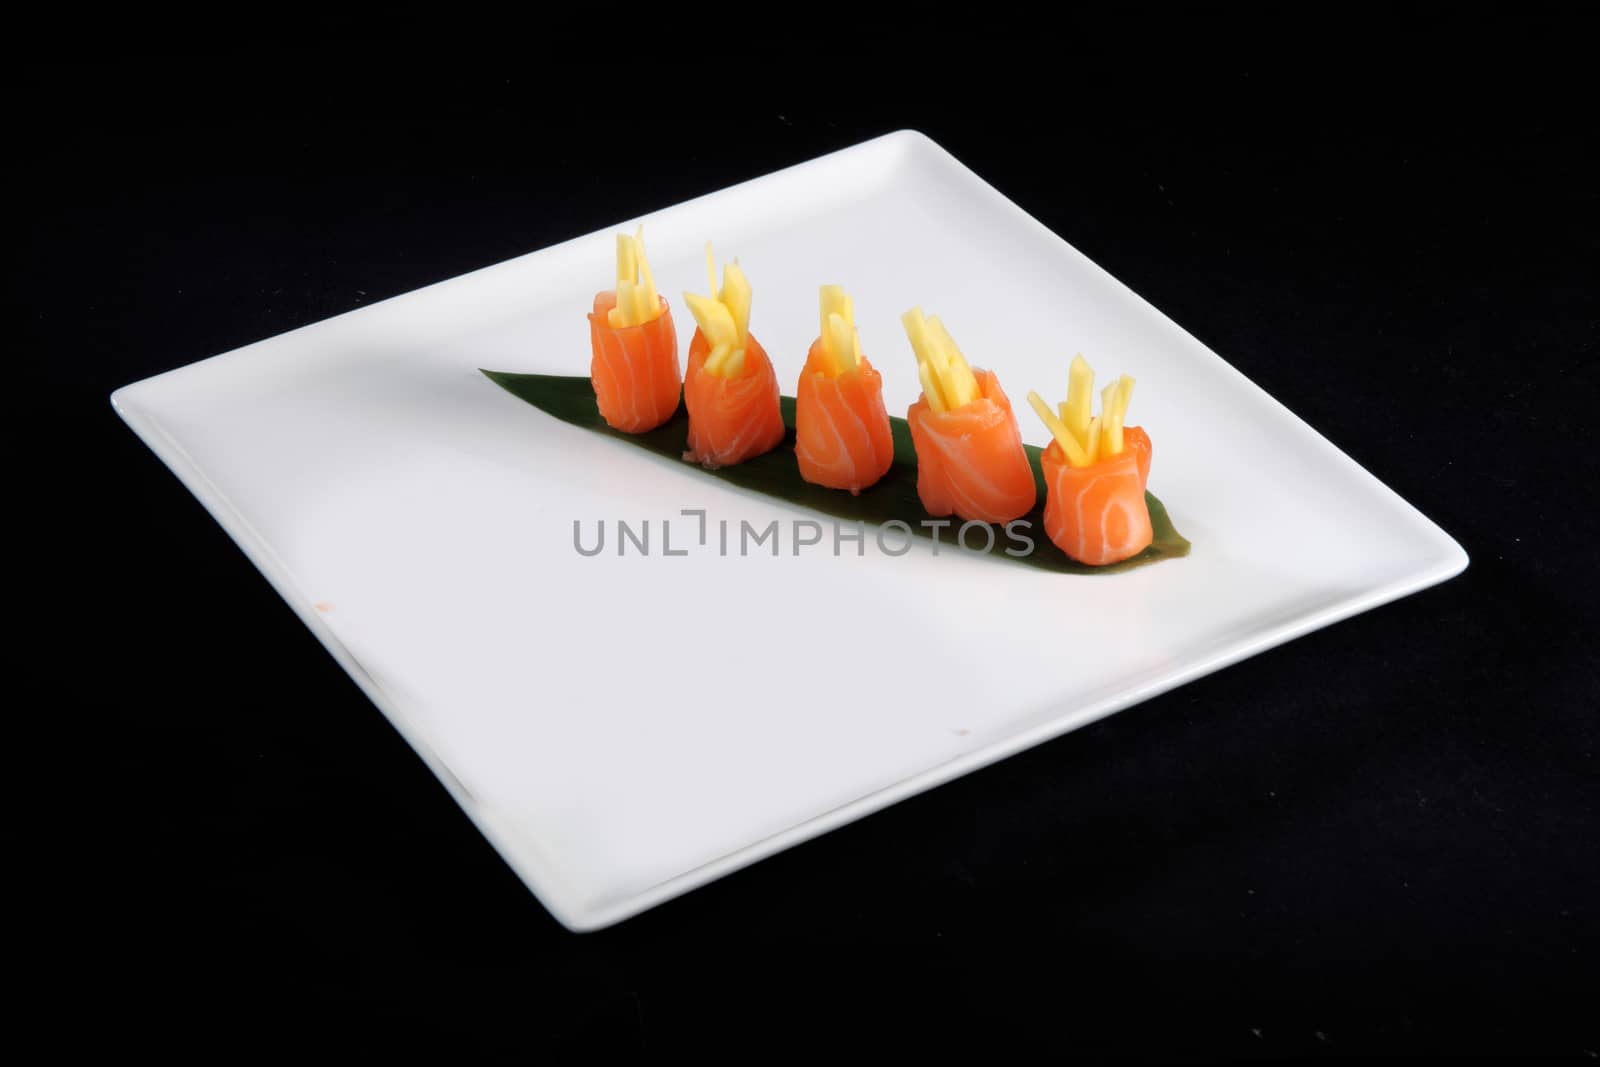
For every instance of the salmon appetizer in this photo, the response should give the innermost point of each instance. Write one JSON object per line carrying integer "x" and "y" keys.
{"x": 1095, "y": 472}
{"x": 635, "y": 364}
{"x": 731, "y": 391}
{"x": 970, "y": 460}
{"x": 842, "y": 437}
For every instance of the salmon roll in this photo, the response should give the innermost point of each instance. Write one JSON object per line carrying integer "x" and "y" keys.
{"x": 635, "y": 364}
{"x": 842, "y": 436}
{"x": 1095, "y": 472}
{"x": 970, "y": 459}
{"x": 731, "y": 390}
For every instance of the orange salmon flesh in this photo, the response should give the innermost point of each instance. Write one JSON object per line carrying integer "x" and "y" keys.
{"x": 970, "y": 461}
{"x": 842, "y": 437}
{"x": 1097, "y": 514}
{"x": 731, "y": 419}
{"x": 634, "y": 369}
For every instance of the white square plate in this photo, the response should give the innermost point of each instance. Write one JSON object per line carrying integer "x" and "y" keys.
{"x": 625, "y": 729}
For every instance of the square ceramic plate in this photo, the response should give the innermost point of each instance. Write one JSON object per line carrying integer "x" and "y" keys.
{"x": 624, "y": 729}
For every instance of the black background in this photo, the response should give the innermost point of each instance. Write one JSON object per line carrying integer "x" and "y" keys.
{"x": 1379, "y": 838}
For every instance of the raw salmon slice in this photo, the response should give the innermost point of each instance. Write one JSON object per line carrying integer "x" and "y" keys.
{"x": 634, "y": 369}
{"x": 731, "y": 419}
{"x": 1097, "y": 514}
{"x": 970, "y": 461}
{"x": 842, "y": 437}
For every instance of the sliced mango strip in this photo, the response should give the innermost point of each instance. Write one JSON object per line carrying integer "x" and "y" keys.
{"x": 1080, "y": 397}
{"x": 736, "y": 297}
{"x": 1083, "y": 438}
{"x": 947, "y": 381}
{"x": 637, "y": 299}
{"x": 1058, "y": 429}
{"x": 840, "y": 342}
{"x": 723, "y": 317}
{"x": 930, "y": 387}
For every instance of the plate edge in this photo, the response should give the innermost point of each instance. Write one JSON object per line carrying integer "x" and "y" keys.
{"x": 1316, "y": 437}
{"x": 560, "y": 902}
{"x": 1447, "y": 567}
{"x": 563, "y": 905}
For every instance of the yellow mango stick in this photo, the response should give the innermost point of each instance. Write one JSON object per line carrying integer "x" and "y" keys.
{"x": 840, "y": 344}
{"x": 638, "y": 301}
{"x": 649, "y": 300}
{"x": 1114, "y": 406}
{"x": 831, "y": 301}
{"x": 736, "y": 297}
{"x": 716, "y": 323}
{"x": 627, "y": 259}
{"x": 930, "y": 348}
{"x": 1069, "y": 445}
{"x": 960, "y": 386}
{"x": 640, "y": 306}
{"x": 930, "y": 386}
{"x": 916, "y": 328}
{"x": 940, "y": 349}
{"x": 1080, "y": 395}
{"x": 622, "y": 314}
{"x": 723, "y": 317}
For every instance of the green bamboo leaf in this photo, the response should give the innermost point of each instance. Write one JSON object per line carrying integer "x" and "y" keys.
{"x": 571, "y": 399}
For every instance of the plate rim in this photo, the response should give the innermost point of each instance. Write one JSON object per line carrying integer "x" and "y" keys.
{"x": 515, "y": 848}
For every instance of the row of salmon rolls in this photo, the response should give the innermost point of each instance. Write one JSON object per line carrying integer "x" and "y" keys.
{"x": 970, "y": 459}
